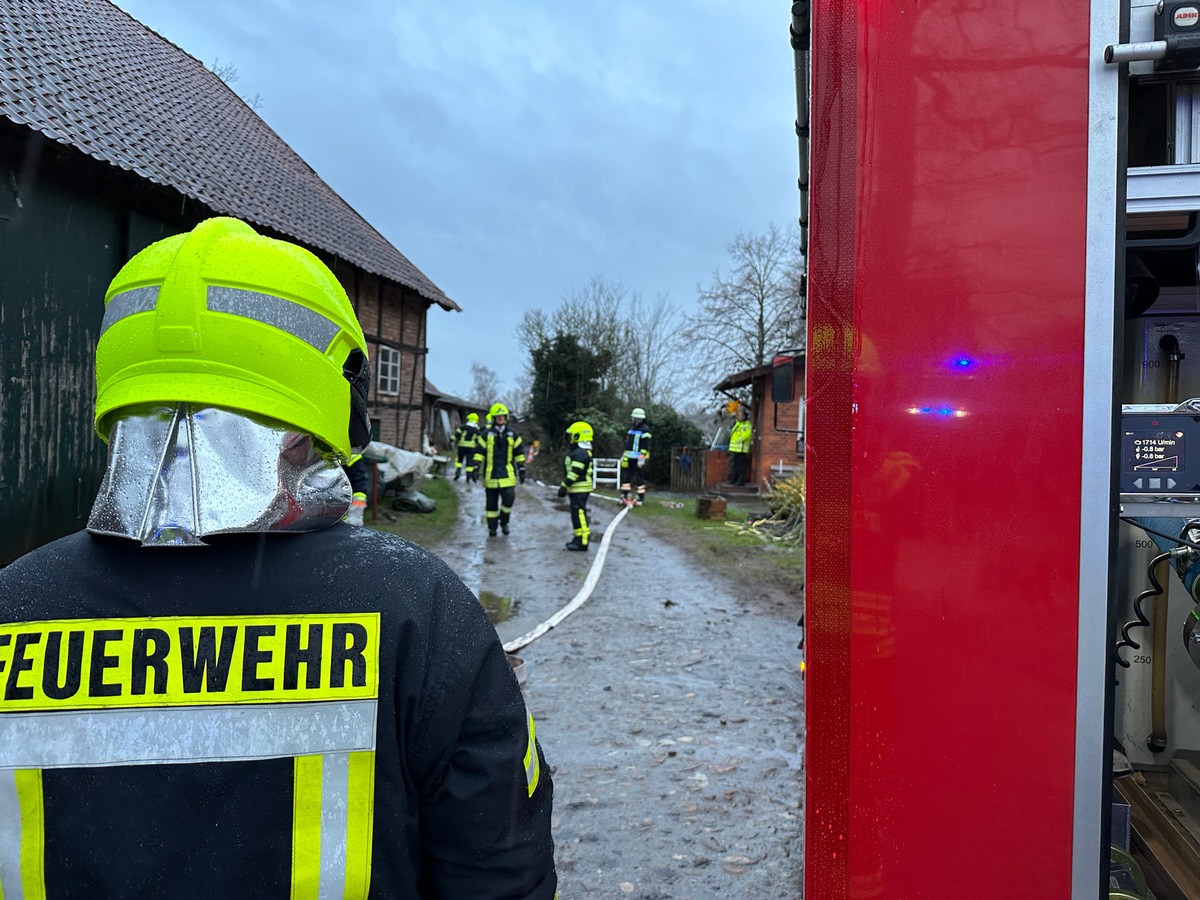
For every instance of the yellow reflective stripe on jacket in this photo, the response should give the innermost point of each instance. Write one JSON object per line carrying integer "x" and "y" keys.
{"x": 360, "y": 825}
{"x": 577, "y": 478}
{"x": 493, "y": 448}
{"x": 306, "y": 827}
{"x": 332, "y": 829}
{"x": 106, "y": 692}
{"x": 533, "y": 767}
{"x": 332, "y": 823}
{"x": 22, "y": 835}
{"x": 188, "y": 661}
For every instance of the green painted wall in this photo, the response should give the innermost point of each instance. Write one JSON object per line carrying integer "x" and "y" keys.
{"x": 59, "y": 248}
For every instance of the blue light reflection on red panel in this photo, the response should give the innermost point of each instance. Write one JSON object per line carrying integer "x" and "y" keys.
{"x": 940, "y": 411}
{"x": 957, "y": 364}
{"x": 953, "y": 208}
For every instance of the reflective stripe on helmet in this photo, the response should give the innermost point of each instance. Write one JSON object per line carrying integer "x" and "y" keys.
{"x": 217, "y": 352}
{"x": 126, "y": 304}
{"x": 286, "y": 315}
{"x": 297, "y": 320}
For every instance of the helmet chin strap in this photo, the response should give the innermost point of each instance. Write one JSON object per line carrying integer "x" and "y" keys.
{"x": 178, "y": 474}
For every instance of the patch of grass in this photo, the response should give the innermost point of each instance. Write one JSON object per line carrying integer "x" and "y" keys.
{"x": 715, "y": 542}
{"x": 425, "y": 529}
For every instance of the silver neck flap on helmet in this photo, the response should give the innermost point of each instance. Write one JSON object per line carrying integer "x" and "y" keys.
{"x": 179, "y": 474}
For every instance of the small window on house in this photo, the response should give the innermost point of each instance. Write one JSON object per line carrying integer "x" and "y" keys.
{"x": 389, "y": 371}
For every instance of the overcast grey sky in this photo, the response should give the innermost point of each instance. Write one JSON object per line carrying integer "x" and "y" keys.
{"x": 512, "y": 150}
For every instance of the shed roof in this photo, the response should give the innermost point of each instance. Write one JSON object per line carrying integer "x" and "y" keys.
{"x": 88, "y": 75}
{"x": 746, "y": 376}
{"x": 450, "y": 399}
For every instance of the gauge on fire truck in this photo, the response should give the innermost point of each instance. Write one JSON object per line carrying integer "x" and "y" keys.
{"x": 1155, "y": 443}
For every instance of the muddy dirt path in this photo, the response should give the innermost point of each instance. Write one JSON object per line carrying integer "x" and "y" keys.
{"x": 669, "y": 706}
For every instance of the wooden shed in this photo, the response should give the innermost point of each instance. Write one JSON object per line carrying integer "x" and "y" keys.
{"x": 112, "y": 137}
{"x": 777, "y": 447}
{"x": 445, "y": 413}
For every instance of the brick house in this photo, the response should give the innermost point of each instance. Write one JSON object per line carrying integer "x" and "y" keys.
{"x": 777, "y": 446}
{"x": 111, "y": 137}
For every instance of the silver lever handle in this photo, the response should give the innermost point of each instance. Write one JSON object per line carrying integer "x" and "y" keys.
{"x": 1123, "y": 53}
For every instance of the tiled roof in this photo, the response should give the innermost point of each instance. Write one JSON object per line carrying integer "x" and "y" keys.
{"x": 86, "y": 74}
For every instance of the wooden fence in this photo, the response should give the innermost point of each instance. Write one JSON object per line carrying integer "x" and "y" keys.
{"x": 687, "y": 470}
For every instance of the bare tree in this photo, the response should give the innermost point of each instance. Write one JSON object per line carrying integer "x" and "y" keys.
{"x": 642, "y": 340}
{"x": 755, "y": 309}
{"x": 592, "y": 315}
{"x": 521, "y": 398}
{"x": 485, "y": 386}
{"x": 648, "y": 365}
{"x": 228, "y": 73}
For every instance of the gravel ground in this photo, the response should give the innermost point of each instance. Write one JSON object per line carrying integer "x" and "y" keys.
{"x": 669, "y": 705}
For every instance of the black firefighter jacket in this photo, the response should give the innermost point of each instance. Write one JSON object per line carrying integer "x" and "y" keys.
{"x": 313, "y": 715}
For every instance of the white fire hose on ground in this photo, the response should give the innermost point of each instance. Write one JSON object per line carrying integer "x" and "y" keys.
{"x": 589, "y": 584}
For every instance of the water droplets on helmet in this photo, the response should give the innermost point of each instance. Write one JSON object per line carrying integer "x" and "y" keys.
{"x": 223, "y": 316}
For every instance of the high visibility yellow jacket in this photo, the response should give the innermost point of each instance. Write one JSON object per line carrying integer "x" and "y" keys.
{"x": 500, "y": 453}
{"x": 739, "y": 437}
{"x": 466, "y": 436}
{"x": 269, "y": 716}
{"x": 577, "y": 478}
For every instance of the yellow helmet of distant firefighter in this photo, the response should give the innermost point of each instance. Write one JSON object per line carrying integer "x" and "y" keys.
{"x": 222, "y": 316}
{"x": 579, "y": 432}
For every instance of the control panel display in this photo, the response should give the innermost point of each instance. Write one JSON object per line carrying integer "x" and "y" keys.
{"x": 1154, "y": 457}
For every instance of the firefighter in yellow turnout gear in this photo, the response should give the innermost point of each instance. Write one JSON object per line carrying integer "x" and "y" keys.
{"x": 499, "y": 453}
{"x": 577, "y": 481}
{"x": 465, "y": 438}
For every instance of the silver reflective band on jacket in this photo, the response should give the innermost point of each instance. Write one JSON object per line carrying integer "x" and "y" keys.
{"x": 178, "y": 474}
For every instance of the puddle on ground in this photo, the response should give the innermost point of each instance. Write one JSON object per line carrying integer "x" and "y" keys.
{"x": 499, "y": 609}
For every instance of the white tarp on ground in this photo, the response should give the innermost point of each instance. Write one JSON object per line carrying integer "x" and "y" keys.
{"x": 396, "y": 463}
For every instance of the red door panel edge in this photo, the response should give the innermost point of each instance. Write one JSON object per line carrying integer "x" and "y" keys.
{"x": 949, "y": 165}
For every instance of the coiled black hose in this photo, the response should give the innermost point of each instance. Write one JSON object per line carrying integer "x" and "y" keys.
{"x": 1140, "y": 621}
